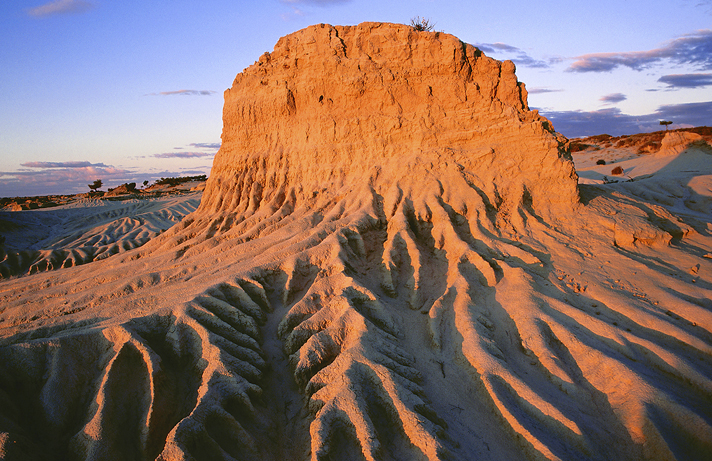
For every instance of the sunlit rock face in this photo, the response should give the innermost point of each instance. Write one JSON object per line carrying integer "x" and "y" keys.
{"x": 385, "y": 105}
{"x": 390, "y": 261}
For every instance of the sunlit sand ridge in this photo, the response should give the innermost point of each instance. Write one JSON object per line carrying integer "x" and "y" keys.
{"x": 392, "y": 259}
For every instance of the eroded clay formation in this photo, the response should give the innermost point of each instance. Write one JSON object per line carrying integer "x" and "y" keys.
{"x": 390, "y": 261}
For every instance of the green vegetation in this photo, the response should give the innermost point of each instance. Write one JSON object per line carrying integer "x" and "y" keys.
{"x": 96, "y": 185}
{"x": 127, "y": 187}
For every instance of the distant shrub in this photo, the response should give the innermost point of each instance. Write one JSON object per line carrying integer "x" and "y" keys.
{"x": 96, "y": 185}
{"x": 650, "y": 146}
{"x": 617, "y": 171}
{"x": 128, "y": 187}
{"x": 180, "y": 180}
{"x": 641, "y": 139}
{"x": 701, "y": 130}
{"x": 578, "y": 146}
{"x": 600, "y": 162}
{"x": 600, "y": 137}
{"x": 421, "y": 24}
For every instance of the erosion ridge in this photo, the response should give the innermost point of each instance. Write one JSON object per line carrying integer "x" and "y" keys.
{"x": 389, "y": 261}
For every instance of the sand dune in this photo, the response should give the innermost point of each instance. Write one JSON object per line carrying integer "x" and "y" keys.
{"x": 454, "y": 301}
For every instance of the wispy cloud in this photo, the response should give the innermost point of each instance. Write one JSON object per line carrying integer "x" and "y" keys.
{"x": 184, "y": 154}
{"x": 614, "y": 122}
{"x": 183, "y": 93}
{"x": 207, "y": 149}
{"x": 694, "y": 113}
{"x": 206, "y": 145}
{"x": 686, "y": 80}
{"x": 497, "y": 47}
{"x": 297, "y": 12}
{"x": 693, "y": 49}
{"x": 60, "y": 7}
{"x": 62, "y": 165}
{"x": 520, "y": 58}
{"x": 613, "y": 98}
{"x": 540, "y": 90}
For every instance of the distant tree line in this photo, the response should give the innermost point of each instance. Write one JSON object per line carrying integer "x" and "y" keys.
{"x": 181, "y": 180}
{"x": 96, "y": 185}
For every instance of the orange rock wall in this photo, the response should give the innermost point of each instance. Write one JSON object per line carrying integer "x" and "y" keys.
{"x": 332, "y": 105}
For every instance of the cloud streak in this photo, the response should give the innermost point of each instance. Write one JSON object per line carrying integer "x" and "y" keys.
{"x": 184, "y": 154}
{"x": 209, "y": 149}
{"x": 521, "y": 58}
{"x": 538, "y": 90}
{"x": 613, "y": 98}
{"x": 206, "y": 145}
{"x": 686, "y": 80}
{"x": 614, "y": 122}
{"x": 183, "y": 93}
{"x": 62, "y": 165}
{"x": 60, "y": 7}
{"x": 694, "y": 49}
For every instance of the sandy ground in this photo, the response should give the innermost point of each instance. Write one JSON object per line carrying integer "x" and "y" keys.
{"x": 85, "y": 229}
{"x": 340, "y": 333}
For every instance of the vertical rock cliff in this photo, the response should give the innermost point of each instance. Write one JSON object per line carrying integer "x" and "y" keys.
{"x": 332, "y": 107}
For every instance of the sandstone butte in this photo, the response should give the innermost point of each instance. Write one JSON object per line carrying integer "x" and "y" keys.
{"x": 392, "y": 259}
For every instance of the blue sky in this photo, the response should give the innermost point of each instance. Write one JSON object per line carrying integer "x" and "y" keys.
{"x": 131, "y": 90}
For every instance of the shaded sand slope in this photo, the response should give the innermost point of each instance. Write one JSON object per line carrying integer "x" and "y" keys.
{"x": 441, "y": 294}
{"x": 84, "y": 230}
